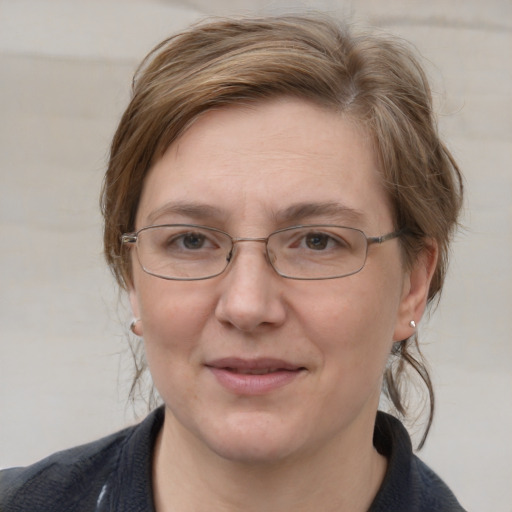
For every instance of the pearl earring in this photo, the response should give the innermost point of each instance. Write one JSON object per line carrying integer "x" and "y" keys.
{"x": 132, "y": 325}
{"x": 412, "y": 323}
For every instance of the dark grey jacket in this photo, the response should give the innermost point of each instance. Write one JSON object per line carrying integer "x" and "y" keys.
{"x": 114, "y": 474}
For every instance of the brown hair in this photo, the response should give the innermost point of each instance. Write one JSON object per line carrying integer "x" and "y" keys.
{"x": 374, "y": 79}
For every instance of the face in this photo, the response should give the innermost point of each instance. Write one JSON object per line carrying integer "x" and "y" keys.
{"x": 253, "y": 366}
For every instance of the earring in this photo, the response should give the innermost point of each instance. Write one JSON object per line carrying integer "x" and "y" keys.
{"x": 133, "y": 323}
{"x": 412, "y": 324}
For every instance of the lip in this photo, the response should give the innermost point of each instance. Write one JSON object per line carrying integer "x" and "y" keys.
{"x": 253, "y": 377}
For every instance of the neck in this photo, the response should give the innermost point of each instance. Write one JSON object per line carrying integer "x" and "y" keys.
{"x": 344, "y": 475}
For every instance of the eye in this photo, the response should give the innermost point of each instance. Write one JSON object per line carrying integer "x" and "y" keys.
{"x": 317, "y": 241}
{"x": 192, "y": 240}
{"x": 183, "y": 242}
{"x": 321, "y": 241}
{"x": 314, "y": 241}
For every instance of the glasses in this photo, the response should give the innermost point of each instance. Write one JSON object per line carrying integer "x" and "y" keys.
{"x": 186, "y": 252}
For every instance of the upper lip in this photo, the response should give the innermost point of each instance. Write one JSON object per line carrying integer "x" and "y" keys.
{"x": 264, "y": 363}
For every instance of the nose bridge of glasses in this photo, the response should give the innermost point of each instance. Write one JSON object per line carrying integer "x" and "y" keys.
{"x": 236, "y": 240}
{"x": 249, "y": 239}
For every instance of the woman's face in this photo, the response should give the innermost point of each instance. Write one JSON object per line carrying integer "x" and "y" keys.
{"x": 250, "y": 365}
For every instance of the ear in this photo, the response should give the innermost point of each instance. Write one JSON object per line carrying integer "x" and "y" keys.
{"x": 415, "y": 291}
{"x": 134, "y": 303}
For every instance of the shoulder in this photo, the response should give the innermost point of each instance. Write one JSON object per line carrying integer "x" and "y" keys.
{"x": 76, "y": 479}
{"x": 432, "y": 491}
{"x": 409, "y": 484}
{"x": 76, "y": 472}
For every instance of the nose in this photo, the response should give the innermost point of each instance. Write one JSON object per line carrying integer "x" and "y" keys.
{"x": 251, "y": 291}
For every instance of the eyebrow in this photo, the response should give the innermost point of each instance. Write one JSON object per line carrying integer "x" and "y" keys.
{"x": 187, "y": 209}
{"x": 295, "y": 213}
{"x": 337, "y": 211}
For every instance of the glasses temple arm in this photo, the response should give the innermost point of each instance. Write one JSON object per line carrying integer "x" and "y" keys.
{"x": 129, "y": 238}
{"x": 384, "y": 238}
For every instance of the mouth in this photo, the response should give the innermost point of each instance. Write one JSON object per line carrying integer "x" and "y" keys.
{"x": 263, "y": 371}
{"x": 260, "y": 366}
{"x": 254, "y": 376}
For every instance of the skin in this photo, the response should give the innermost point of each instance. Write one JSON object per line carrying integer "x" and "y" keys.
{"x": 308, "y": 444}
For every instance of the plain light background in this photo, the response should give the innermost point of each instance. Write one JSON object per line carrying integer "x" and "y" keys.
{"x": 65, "y": 73}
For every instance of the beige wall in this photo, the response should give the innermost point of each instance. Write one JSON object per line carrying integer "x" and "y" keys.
{"x": 65, "y": 69}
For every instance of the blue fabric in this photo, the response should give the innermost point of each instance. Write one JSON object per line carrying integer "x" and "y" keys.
{"x": 114, "y": 474}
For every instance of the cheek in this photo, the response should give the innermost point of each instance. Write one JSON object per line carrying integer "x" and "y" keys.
{"x": 352, "y": 326}
{"x": 173, "y": 318}
{"x": 172, "y": 314}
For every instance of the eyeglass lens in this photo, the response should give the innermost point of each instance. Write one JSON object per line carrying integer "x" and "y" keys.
{"x": 304, "y": 252}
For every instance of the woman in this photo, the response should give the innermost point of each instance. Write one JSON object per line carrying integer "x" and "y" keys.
{"x": 278, "y": 206}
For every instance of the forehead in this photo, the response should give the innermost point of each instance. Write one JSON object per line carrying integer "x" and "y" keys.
{"x": 266, "y": 161}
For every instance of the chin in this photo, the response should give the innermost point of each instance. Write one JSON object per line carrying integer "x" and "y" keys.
{"x": 252, "y": 441}
{"x": 251, "y": 451}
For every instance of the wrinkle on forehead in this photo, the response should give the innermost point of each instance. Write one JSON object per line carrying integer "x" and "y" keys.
{"x": 266, "y": 164}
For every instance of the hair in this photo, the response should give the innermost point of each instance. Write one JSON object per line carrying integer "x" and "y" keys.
{"x": 375, "y": 80}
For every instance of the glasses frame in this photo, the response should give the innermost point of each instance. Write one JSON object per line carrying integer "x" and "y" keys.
{"x": 131, "y": 239}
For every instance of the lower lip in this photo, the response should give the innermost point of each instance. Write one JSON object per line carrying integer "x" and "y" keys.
{"x": 251, "y": 384}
